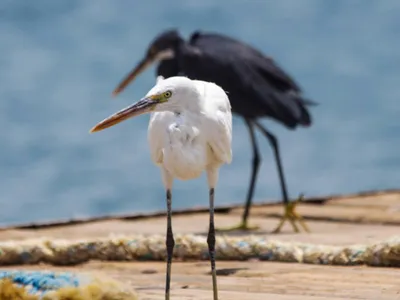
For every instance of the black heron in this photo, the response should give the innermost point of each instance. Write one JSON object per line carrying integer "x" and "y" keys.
{"x": 256, "y": 85}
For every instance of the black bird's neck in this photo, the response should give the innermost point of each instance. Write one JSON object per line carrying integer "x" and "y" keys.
{"x": 174, "y": 66}
{"x": 179, "y": 51}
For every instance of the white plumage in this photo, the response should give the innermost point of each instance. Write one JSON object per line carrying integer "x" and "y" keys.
{"x": 190, "y": 131}
{"x": 188, "y": 141}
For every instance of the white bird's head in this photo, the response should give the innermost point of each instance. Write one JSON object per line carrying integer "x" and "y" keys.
{"x": 171, "y": 94}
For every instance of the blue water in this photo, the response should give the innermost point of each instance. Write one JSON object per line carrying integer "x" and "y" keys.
{"x": 60, "y": 61}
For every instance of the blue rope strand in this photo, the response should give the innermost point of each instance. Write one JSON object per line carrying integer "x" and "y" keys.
{"x": 41, "y": 282}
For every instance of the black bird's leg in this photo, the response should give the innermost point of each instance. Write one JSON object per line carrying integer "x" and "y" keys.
{"x": 243, "y": 225}
{"x": 290, "y": 212}
{"x": 170, "y": 243}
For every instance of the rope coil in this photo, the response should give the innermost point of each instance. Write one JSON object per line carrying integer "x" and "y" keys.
{"x": 48, "y": 285}
{"x": 194, "y": 247}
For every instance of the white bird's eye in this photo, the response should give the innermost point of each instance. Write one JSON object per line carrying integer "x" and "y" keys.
{"x": 167, "y": 94}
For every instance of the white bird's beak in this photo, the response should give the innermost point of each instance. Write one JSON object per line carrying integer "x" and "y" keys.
{"x": 145, "y": 105}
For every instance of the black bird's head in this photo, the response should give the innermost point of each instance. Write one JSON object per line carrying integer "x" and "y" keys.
{"x": 164, "y": 44}
{"x": 162, "y": 47}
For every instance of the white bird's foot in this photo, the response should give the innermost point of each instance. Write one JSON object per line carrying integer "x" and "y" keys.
{"x": 291, "y": 215}
{"x": 241, "y": 226}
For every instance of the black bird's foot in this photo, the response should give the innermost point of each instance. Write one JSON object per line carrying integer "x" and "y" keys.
{"x": 241, "y": 226}
{"x": 291, "y": 215}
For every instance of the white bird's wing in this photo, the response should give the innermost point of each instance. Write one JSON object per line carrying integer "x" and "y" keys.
{"x": 218, "y": 121}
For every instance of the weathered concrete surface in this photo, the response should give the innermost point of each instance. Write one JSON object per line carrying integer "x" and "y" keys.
{"x": 253, "y": 280}
{"x": 337, "y": 222}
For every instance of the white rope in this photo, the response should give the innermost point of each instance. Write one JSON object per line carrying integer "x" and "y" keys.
{"x": 194, "y": 247}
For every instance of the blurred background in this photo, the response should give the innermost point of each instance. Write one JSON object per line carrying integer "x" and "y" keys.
{"x": 60, "y": 61}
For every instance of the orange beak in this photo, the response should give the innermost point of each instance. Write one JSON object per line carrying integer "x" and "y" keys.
{"x": 145, "y": 105}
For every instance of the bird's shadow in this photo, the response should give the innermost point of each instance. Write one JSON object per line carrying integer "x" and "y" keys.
{"x": 227, "y": 271}
{"x": 240, "y": 233}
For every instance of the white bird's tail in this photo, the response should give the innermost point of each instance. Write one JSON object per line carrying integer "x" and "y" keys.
{"x": 159, "y": 79}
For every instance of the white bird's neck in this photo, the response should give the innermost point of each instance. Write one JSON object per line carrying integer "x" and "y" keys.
{"x": 184, "y": 151}
{"x": 184, "y": 128}
{"x": 187, "y": 108}
{"x": 187, "y": 118}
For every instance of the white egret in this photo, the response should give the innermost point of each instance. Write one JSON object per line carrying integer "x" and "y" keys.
{"x": 190, "y": 131}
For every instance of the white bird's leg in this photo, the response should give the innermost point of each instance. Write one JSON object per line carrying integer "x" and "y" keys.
{"x": 170, "y": 242}
{"x": 212, "y": 177}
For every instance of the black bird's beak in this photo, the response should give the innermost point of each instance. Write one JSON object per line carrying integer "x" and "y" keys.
{"x": 140, "y": 67}
{"x": 151, "y": 57}
{"x": 145, "y": 105}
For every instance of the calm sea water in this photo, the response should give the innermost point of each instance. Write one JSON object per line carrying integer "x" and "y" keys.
{"x": 60, "y": 60}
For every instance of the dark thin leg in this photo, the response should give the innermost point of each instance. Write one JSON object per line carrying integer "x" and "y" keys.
{"x": 290, "y": 213}
{"x": 274, "y": 143}
{"x": 211, "y": 245}
{"x": 254, "y": 171}
{"x": 170, "y": 242}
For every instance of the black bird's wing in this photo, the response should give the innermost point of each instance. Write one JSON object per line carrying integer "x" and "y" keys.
{"x": 255, "y": 84}
{"x": 265, "y": 65}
